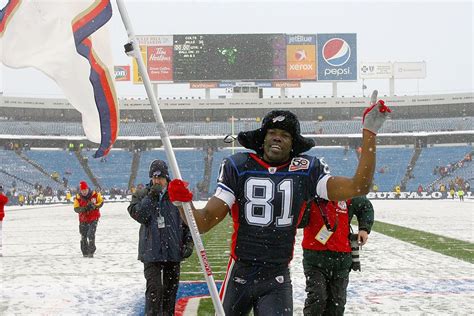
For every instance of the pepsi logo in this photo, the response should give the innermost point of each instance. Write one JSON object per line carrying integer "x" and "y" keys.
{"x": 336, "y": 52}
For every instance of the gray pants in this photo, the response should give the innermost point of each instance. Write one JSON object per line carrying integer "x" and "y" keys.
{"x": 87, "y": 231}
{"x": 162, "y": 281}
{"x": 327, "y": 277}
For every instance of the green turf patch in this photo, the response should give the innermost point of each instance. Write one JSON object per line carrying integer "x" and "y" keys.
{"x": 206, "y": 308}
{"x": 217, "y": 245}
{"x": 447, "y": 246}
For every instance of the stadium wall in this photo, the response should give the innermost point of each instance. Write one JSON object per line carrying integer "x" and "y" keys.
{"x": 188, "y": 109}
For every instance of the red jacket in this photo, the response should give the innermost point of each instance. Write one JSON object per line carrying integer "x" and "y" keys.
{"x": 336, "y": 212}
{"x": 3, "y": 201}
{"x": 81, "y": 202}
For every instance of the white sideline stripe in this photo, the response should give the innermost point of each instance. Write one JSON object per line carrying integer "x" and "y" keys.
{"x": 192, "y": 306}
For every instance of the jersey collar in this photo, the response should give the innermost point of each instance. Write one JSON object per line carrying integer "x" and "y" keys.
{"x": 267, "y": 165}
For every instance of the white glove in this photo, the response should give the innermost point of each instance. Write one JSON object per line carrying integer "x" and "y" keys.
{"x": 375, "y": 115}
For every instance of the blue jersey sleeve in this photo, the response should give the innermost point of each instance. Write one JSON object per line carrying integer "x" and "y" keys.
{"x": 319, "y": 175}
{"x": 227, "y": 182}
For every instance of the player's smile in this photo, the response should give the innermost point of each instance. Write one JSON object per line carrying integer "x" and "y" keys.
{"x": 277, "y": 145}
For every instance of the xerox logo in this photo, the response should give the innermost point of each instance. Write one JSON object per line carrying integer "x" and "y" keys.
{"x": 336, "y": 52}
{"x": 300, "y": 55}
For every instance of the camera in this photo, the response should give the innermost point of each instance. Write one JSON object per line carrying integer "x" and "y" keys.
{"x": 355, "y": 252}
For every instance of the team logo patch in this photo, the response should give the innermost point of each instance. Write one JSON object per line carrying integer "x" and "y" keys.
{"x": 280, "y": 279}
{"x": 272, "y": 170}
{"x": 240, "y": 280}
{"x": 342, "y": 207}
{"x": 279, "y": 118}
{"x": 298, "y": 163}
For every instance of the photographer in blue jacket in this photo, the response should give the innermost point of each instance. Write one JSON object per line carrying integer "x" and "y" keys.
{"x": 163, "y": 243}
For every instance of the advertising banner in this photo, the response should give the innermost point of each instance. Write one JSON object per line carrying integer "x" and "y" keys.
{"x": 137, "y": 78}
{"x": 203, "y": 85}
{"x": 286, "y": 84}
{"x": 337, "y": 57}
{"x": 160, "y": 63}
{"x": 157, "y": 54}
{"x": 155, "y": 40}
{"x": 375, "y": 70}
{"x": 301, "y": 57}
{"x": 409, "y": 70}
{"x": 122, "y": 73}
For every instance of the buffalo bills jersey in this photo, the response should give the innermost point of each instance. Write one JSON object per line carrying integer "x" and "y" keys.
{"x": 267, "y": 202}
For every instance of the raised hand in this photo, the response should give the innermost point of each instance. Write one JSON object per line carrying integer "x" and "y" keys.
{"x": 375, "y": 115}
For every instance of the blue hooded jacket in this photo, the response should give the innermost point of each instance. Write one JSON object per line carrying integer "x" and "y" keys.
{"x": 158, "y": 244}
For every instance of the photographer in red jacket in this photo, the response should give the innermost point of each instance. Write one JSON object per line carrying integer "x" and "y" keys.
{"x": 3, "y": 202}
{"x": 328, "y": 256}
{"x": 87, "y": 204}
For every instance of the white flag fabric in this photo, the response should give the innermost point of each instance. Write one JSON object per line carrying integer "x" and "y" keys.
{"x": 66, "y": 40}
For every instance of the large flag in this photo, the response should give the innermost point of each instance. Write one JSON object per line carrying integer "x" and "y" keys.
{"x": 65, "y": 40}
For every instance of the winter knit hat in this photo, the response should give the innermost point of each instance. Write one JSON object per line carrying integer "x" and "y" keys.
{"x": 83, "y": 185}
{"x": 159, "y": 168}
{"x": 280, "y": 119}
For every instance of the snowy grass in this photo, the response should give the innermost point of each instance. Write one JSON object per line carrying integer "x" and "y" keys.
{"x": 43, "y": 272}
{"x": 448, "y": 246}
{"x": 455, "y": 248}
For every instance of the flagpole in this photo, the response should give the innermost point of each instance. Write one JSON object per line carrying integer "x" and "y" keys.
{"x": 133, "y": 49}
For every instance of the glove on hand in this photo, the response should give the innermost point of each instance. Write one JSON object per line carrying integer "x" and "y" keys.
{"x": 375, "y": 115}
{"x": 187, "y": 249}
{"x": 355, "y": 266}
{"x": 90, "y": 206}
{"x": 155, "y": 191}
{"x": 178, "y": 192}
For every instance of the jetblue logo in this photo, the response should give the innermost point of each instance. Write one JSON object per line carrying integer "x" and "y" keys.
{"x": 298, "y": 39}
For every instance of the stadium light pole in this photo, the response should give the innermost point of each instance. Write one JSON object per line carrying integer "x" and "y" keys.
{"x": 132, "y": 48}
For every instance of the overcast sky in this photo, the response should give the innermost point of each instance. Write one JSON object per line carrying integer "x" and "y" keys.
{"x": 438, "y": 32}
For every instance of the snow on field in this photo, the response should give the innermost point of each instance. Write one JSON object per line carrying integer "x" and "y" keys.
{"x": 43, "y": 272}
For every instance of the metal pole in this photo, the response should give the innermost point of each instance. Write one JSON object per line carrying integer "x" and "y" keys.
{"x": 206, "y": 268}
{"x": 392, "y": 86}
{"x": 233, "y": 133}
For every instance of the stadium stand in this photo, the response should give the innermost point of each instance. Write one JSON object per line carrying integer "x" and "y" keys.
{"x": 223, "y": 128}
{"x": 412, "y": 135}
{"x": 112, "y": 171}
{"x": 26, "y": 173}
{"x": 391, "y": 166}
{"x": 433, "y": 157}
{"x": 61, "y": 161}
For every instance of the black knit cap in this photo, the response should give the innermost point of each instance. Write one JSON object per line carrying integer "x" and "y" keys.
{"x": 280, "y": 119}
{"x": 159, "y": 168}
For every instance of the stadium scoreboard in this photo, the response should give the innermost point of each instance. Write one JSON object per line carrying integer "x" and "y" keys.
{"x": 213, "y": 57}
